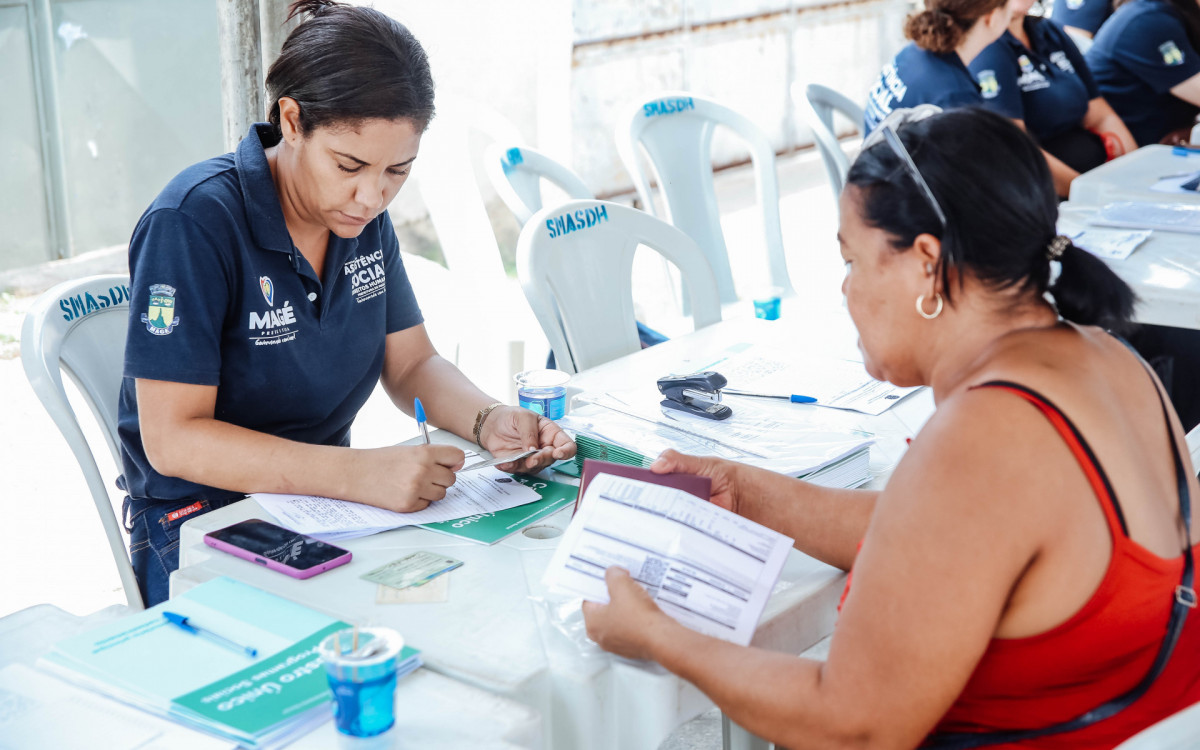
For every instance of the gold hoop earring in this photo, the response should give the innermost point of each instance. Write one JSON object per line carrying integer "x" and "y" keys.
{"x": 921, "y": 307}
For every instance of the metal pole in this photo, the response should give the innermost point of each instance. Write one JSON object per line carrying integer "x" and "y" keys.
{"x": 241, "y": 68}
{"x": 54, "y": 170}
{"x": 274, "y": 28}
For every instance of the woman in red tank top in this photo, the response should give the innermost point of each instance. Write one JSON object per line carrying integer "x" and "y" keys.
{"x": 1024, "y": 579}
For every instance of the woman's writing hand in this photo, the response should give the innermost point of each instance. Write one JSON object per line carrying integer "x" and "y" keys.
{"x": 404, "y": 478}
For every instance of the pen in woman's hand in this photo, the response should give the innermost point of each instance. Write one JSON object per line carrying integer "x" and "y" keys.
{"x": 420, "y": 414}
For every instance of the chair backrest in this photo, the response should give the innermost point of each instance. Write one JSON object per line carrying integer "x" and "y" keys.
{"x": 676, "y": 129}
{"x": 448, "y": 186}
{"x": 78, "y": 327}
{"x": 575, "y": 263}
{"x": 819, "y": 105}
{"x": 517, "y": 172}
{"x": 1179, "y": 731}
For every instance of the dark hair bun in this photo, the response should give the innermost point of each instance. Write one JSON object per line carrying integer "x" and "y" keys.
{"x": 933, "y": 30}
{"x": 1089, "y": 293}
{"x": 311, "y": 7}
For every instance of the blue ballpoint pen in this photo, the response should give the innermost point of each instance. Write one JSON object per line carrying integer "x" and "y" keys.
{"x": 181, "y": 622}
{"x": 794, "y": 398}
{"x": 420, "y": 413}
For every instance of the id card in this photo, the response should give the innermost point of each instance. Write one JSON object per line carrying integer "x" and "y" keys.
{"x": 412, "y": 570}
{"x": 497, "y": 460}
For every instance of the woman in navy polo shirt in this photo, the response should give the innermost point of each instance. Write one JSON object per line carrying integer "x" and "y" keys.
{"x": 1145, "y": 60}
{"x": 1034, "y": 74}
{"x": 1083, "y": 17}
{"x": 945, "y": 36}
{"x": 269, "y": 297}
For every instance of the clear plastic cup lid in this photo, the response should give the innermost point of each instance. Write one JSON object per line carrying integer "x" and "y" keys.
{"x": 542, "y": 378}
{"x": 375, "y": 645}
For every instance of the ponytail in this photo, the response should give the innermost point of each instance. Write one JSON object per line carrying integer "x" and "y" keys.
{"x": 1089, "y": 293}
{"x": 943, "y": 24}
{"x": 311, "y": 7}
{"x": 933, "y": 30}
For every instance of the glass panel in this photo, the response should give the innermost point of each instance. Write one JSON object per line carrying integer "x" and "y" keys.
{"x": 139, "y": 97}
{"x": 24, "y": 224}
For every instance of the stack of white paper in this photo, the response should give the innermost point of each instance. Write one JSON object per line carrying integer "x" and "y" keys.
{"x": 482, "y": 491}
{"x": 710, "y": 569}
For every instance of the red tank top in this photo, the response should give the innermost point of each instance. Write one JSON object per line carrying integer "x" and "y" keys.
{"x": 1100, "y": 653}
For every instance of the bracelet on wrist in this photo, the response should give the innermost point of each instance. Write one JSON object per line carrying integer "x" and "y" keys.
{"x": 479, "y": 420}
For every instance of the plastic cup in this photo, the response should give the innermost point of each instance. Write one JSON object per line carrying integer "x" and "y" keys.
{"x": 543, "y": 391}
{"x": 362, "y": 676}
{"x": 767, "y": 303}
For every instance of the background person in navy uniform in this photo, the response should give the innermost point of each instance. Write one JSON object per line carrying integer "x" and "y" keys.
{"x": 1082, "y": 17}
{"x": 1146, "y": 64}
{"x": 945, "y": 36}
{"x": 1035, "y": 75}
{"x": 269, "y": 297}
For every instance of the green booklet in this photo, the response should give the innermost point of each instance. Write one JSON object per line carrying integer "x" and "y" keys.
{"x": 259, "y": 702}
{"x": 489, "y": 528}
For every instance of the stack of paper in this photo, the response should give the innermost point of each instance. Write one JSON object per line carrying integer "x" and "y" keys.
{"x": 613, "y": 429}
{"x": 1168, "y": 217}
{"x": 262, "y": 701}
{"x": 710, "y": 569}
{"x": 473, "y": 493}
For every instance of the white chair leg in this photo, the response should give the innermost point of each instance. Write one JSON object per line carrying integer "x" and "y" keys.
{"x": 734, "y": 737}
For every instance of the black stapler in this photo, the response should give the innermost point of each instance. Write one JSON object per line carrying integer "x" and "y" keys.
{"x": 698, "y": 393}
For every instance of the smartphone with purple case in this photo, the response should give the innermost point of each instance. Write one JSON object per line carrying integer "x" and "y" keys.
{"x": 293, "y": 554}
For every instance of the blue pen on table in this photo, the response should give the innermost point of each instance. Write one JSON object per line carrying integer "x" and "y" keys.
{"x": 420, "y": 412}
{"x": 1182, "y": 150}
{"x": 794, "y": 398}
{"x": 181, "y": 622}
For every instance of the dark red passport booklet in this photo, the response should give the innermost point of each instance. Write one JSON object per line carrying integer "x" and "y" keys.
{"x": 692, "y": 484}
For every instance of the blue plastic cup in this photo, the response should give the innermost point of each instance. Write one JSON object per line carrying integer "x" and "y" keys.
{"x": 362, "y": 676}
{"x": 767, "y": 303}
{"x": 543, "y": 391}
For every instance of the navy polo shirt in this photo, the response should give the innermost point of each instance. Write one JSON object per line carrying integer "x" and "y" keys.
{"x": 220, "y": 296}
{"x": 1140, "y": 53}
{"x": 1048, "y": 85}
{"x": 1088, "y": 15}
{"x": 918, "y": 76}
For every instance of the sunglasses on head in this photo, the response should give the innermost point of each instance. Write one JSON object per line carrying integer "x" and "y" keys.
{"x": 886, "y": 132}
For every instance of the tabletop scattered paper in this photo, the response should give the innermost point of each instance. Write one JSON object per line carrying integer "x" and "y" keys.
{"x": 834, "y": 383}
{"x": 484, "y": 491}
{"x": 1169, "y": 217}
{"x": 710, "y": 569}
{"x": 1175, "y": 183}
{"x": 1112, "y": 244}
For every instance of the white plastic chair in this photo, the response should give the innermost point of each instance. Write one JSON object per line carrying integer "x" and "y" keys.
{"x": 675, "y": 129}
{"x": 78, "y": 327}
{"x": 1180, "y": 731}
{"x": 578, "y": 277}
{"x": 445, "y": 176}
{"x": 819, "y": 104}
{"x": 517, "y": 172}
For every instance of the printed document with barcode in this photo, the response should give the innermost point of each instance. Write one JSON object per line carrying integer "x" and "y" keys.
{"x": 710, "y": 569}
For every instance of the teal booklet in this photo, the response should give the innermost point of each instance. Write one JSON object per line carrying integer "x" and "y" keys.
{"x": 260, "y": 701}
{"x": 489, "y": 528}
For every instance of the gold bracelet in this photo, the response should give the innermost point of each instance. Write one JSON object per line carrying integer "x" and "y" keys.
{"x": 482, "y": 415}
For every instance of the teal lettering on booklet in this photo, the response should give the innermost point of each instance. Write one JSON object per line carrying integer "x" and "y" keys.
{"x": 80, "y": 305}
{"x": 574, "y": 221}
{"x": 667, "y": 106}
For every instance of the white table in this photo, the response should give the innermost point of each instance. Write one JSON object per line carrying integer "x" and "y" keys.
{"x": 501, "y": 631}
{"x": 1164, "y": 271}
{"x": 432, "y": 710}
{"x": 1129, "y": 177}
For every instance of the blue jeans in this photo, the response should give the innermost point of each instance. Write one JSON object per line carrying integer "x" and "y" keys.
{"x": 153, "y": 527}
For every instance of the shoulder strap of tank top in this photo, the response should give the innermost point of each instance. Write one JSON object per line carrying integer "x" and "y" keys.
{"x": 1184, "y": 600}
